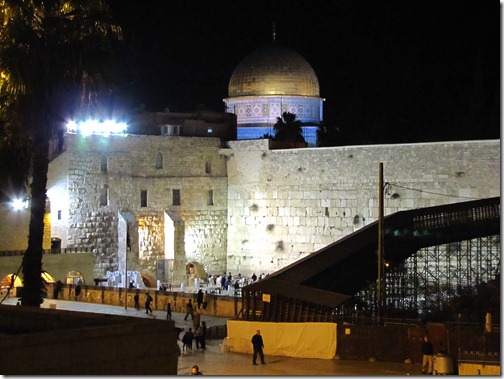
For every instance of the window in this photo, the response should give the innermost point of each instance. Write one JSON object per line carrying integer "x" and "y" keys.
{"x": 176, "y": 197}
{"x": 170, "y": 130}
{"x": 159, "y": 160}
{"x": 208, "y": 167}
{"x": 210, "y": 197}
{"x": 59, "y": 215}
{"x": 143, "y": 198}
{"x": 103, "y": 164}
{"x": 104, "y": 195}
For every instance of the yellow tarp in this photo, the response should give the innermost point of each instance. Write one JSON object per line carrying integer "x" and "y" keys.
{"x": 290, "y": 339}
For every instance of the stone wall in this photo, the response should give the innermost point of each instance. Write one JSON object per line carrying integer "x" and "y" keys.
{"x": 54, "y": 342}
{"x": 123, "y": 167}
{"x": 285, "y": 204}
{"x": 243, "y": 209}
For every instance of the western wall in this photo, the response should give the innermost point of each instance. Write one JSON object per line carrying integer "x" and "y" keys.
{"x": 266, "y": 209}
{"x": 285, "y": 204}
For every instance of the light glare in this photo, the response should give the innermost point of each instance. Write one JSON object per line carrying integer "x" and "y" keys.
{"x": 89, "y": 127}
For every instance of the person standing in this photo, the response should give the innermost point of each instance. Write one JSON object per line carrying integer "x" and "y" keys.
{"x": 203, "y": 335}
{"x": 427, "y": 361}
{"x": 168, "y": 311}
{"x": 257, "y": 343}
{"x": 196, "y": 319}
{"x": 189, "y": 310}
{"x": 58, "y": 288}
{"x": 77, "y": 292}
{"x": 205, "y": 300}
{"x": 148, "y": 301}
{"x": 199, "y": 298}
{"x": 197, "y": 336}
{"x": 136, "y": 298}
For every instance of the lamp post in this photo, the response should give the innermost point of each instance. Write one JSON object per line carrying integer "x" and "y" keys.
{"x": 381, "y": 281}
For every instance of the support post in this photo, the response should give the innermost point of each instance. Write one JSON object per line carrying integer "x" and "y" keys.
{"x": 380, "y": 282}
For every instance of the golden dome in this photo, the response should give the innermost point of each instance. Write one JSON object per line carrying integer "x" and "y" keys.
{"x": 274, "y": 70}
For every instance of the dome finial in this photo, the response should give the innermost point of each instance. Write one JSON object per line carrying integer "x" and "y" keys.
{"x": 274, "y": 32}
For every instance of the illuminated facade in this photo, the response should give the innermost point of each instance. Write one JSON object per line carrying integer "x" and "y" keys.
{"x": 268, "y": 82}
{"x": 160, "y": 204}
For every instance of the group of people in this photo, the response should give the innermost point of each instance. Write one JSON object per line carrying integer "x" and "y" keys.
{"x": 198, "y": 335}
{"x": 225, "y": 282}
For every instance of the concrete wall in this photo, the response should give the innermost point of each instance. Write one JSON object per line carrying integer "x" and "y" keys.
{"x": 286, "y": 204}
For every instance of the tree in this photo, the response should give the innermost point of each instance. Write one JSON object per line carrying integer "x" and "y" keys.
{"x": 288, "y": 129}
{"x": 15, "y": 153}
{"x": 52, "y": 56}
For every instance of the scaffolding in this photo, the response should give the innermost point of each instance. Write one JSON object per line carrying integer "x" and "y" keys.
{"x": 432, "y": 276}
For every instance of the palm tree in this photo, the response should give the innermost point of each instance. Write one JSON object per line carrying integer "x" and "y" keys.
{"x": 50, "y": 50}
{"x": 288, "y": 129}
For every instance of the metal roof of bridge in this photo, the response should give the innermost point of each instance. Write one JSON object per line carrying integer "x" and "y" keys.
{"x": 334, "y": 273}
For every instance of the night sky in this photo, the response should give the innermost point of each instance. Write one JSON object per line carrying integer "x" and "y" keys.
{"x": 390, "y": 71}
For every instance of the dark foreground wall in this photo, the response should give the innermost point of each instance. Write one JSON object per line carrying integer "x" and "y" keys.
{"x": 54, "y": 342}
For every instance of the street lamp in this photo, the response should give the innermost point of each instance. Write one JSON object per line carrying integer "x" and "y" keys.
{"x": 381, "y": 274}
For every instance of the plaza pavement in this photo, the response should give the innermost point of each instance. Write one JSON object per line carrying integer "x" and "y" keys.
{"x": 212, "y": 361}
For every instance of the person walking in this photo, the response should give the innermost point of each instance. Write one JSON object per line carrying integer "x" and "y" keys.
{"x": 427, "y": 361}
{"x": 148, "y": 301}
{"x": 189, "y": 310}
{"x": 168, "y": 311}
{"x": 257, "y": 343}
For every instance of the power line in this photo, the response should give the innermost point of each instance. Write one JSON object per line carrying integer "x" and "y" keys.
{"x": 431, "y": 193}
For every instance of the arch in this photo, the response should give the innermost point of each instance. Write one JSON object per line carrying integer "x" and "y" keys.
{"x": 18, "y": 282}
{"x": 48, "y": 278}
{"x": 149, "y": 281}
{"x": 73, "y": 277}
{"x": 55, "y": 245}
{"x": 7, "y": 280}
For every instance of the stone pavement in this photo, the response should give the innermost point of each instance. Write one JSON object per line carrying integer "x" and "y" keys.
{"x": 212, "y": 361}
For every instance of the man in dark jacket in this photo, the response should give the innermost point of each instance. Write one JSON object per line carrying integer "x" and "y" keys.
{"x": 258, "y": 344}
{"x": 427, "y": 362}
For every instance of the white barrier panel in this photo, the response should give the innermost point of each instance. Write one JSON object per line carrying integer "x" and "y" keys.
{"x": 290, "y": 339}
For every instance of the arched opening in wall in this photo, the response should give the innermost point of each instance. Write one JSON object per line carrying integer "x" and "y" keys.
{"x": 18, "y": 282}
{"x": 48, "y": 278}
{"x": 55, "y": 245}
{"x": 149, "y": 281}
{"x": 73, "y": 277}
{"x": 7, "y": 281}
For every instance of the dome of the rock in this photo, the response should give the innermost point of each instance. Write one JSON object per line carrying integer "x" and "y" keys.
{"x": 268, "y": 82}
{"x": 274, "y": 70}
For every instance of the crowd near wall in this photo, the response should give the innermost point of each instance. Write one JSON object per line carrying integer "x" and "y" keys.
{"x": 285, "y": 204}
